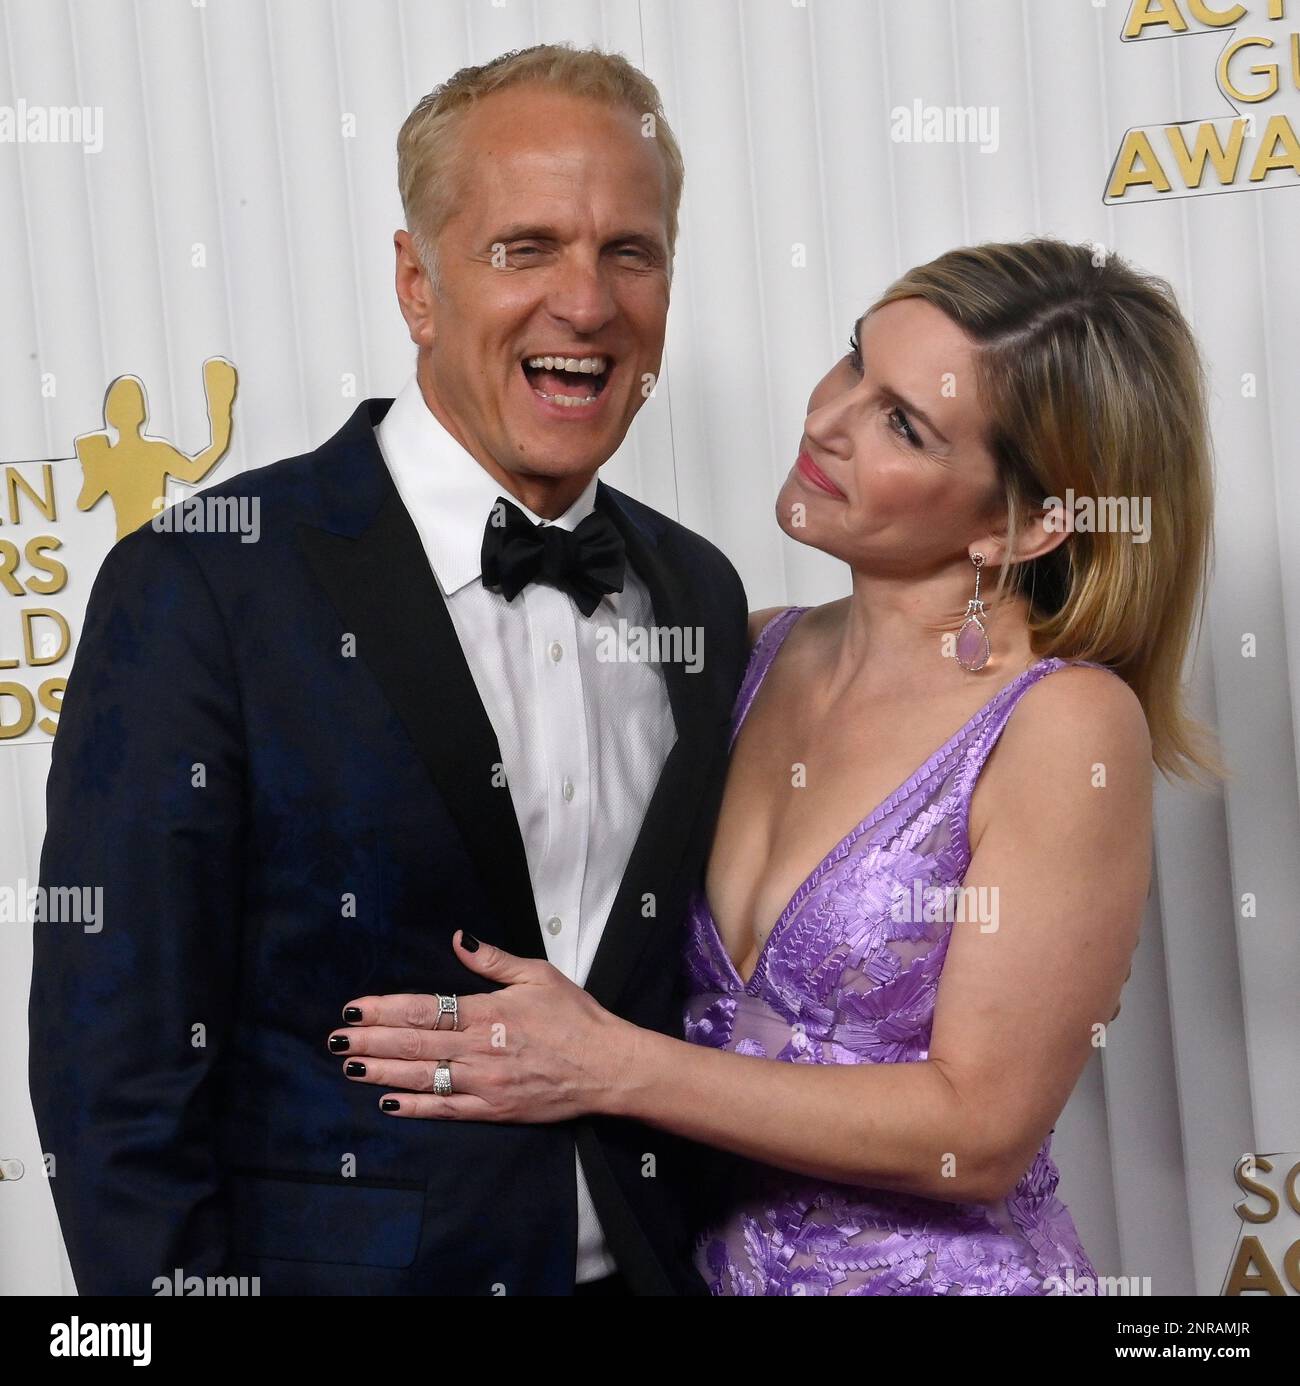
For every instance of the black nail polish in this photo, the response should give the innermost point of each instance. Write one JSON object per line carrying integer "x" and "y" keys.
{"x": 354, "y": 1068}
{"x": 468, "y": 942}
{"x": 352, "y": 1014}
{"x": 339, "y": 1044}
{"x": 389, "y": 1104}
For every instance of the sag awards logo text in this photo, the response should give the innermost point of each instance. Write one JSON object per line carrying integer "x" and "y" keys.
{"x": 1245, "y": 136}
{"x": 53, "y": 535}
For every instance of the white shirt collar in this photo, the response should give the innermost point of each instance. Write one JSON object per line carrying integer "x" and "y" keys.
{"x": 446, "y": 491}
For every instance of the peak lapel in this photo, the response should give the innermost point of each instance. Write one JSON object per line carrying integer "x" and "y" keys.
{"x": 378, "y": 578}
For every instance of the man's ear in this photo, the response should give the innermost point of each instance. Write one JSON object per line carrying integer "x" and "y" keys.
{"x": 415, "y": 294}
{"x": 1040, "y": 530}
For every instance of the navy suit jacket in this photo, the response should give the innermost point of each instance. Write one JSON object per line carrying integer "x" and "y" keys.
{"x": 273, "y": 759}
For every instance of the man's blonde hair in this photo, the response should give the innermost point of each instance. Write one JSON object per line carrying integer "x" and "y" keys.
{"x": 428, "y": 142}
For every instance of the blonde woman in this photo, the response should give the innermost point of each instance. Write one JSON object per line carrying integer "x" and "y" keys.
{"x": 934, "y": 845}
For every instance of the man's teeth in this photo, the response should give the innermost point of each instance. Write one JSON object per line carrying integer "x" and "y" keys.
{"x": 576, "y": 365}
{"x": 586, "y": 365}
{"x": 569, "y": 401}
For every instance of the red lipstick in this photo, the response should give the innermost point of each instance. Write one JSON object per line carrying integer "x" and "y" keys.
{"x": 814, "y": 475}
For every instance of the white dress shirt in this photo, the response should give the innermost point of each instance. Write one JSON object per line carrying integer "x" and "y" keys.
{"x": 582, "y": 739}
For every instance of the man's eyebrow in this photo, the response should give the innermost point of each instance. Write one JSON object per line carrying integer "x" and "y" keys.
{"x": 899, "y": 399}
{"x": 525, "y": 231}
{"x": 644, "y": 237}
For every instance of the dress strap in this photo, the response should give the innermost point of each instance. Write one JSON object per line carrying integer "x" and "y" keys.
{"x": 993, "y": 720}
{"x": 770, "y": 639}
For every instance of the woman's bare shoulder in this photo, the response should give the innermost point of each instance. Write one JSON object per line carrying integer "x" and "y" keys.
{"x": 1093, "y": 708}
{"x": 1077, "y": 731}
{"x": 758, "y": 619}
{"x": 815, "y": 620}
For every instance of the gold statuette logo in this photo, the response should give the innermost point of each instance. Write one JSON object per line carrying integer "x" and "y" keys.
{"x": 133, "y": 471}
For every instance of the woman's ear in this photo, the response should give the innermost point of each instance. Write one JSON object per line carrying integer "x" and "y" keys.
{"x": 1042, "y": 529}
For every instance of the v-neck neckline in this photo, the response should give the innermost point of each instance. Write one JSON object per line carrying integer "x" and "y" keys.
{"x": 810, "y": 880}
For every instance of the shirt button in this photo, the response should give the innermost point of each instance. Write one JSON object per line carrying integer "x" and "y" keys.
{"x": 568, "y": 791}
{"x": 557, "y": 651}
{"x": 553, "y": 924}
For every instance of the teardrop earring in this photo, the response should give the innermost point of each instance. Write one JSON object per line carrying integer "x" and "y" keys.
{"x": 972, "y": 639}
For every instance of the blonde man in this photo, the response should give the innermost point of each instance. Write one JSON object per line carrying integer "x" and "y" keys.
{"x": 406, "y": 724}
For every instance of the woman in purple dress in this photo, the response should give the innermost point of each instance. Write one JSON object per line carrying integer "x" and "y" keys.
{"x": 1013, "y": 462}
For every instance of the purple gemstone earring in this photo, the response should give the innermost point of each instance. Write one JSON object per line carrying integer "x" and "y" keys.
{"x": 972, "y": 639}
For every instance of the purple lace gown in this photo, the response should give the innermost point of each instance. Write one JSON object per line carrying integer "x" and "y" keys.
{"x": 840, "y": 981}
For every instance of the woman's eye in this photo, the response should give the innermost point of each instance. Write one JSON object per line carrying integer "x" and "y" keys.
{"x": 898, "y": 422}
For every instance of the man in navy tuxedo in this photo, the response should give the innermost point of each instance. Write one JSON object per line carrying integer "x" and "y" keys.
{"x": 297, "y": 766}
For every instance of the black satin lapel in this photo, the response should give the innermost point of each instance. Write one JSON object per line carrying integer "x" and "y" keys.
{"x": 670, "y": 818}
{"x": 385, "y": 593}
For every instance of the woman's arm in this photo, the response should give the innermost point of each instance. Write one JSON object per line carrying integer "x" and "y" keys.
{"x": 1061, "y": 834}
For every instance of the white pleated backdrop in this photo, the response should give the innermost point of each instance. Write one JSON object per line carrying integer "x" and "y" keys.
{"x": 263, "y": 131}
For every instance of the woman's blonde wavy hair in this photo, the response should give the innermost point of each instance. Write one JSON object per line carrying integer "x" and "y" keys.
{"x": 1093, "y": 382}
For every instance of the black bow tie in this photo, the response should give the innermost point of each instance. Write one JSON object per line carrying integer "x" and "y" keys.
{"x": 586, "y": 562}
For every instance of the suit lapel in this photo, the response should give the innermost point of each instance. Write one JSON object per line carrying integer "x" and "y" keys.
{"x": 667, "y": 826}
{"x": 368, "y": 557}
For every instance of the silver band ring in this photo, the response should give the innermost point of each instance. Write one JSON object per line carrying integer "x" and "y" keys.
{"x": 442, "y": 1080}
{"x": 447, "y": 1005}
